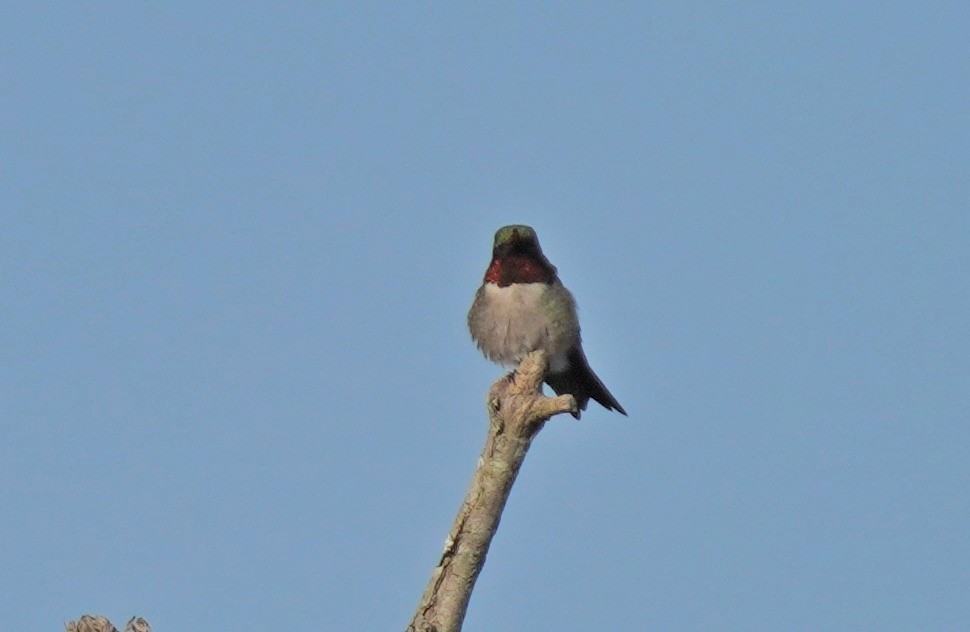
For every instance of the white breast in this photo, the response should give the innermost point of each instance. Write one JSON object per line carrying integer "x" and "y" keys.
{"x": 515, "y": 320}
{"x": 511, "y": 300}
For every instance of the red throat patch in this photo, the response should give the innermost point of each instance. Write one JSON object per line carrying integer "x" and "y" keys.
{"x": 509, "y": 270}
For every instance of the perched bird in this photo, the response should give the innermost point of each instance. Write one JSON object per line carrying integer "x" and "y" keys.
{"x": 522, "y": 306}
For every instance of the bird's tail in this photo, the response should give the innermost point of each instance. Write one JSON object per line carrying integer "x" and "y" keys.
{"x": 579, "y": 381}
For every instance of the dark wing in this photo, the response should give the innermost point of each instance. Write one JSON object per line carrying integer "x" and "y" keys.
{"x": 580, "y": 382}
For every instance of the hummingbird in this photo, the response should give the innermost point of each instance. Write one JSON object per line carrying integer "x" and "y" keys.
{"x": 522, "y": 306}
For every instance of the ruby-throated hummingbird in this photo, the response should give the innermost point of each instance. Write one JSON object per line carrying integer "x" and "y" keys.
{"x": 522, "y": 306}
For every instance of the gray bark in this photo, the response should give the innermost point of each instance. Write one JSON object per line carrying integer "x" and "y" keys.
{"x": 517, "y": 411}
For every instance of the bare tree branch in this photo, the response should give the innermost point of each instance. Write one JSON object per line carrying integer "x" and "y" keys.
{"x": 137, "y": 624}
{"x": 517, "y": 411}
{"x": 91, "y": 623}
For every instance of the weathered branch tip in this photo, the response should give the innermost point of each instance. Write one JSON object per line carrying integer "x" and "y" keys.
{"x": 517, "y": 410}
{"x": 524, "y": 391}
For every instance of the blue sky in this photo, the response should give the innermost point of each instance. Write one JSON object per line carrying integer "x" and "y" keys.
{"x": 237, "y": 246}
